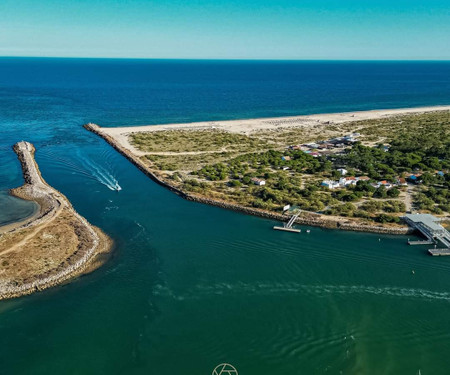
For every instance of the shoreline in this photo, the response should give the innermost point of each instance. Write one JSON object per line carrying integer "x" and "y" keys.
{"x": 248, "y": 126}
{"x": 22, "y": 222}
{"x": 310, "y": 219}
{"x": 94, "y": 243}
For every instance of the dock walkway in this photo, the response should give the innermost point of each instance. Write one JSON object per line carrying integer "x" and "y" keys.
{"x": 288, "y": 226}
{"x": 428, "y": 226}
{"x": 439, "y": 252}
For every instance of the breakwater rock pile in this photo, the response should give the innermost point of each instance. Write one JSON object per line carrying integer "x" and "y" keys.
{"x": 54, "y": 246}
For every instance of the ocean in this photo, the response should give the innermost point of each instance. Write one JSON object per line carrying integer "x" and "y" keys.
{"x": 191, "y": 286}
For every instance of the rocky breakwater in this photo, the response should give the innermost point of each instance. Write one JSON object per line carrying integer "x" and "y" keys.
{"x": 53, "y": 247}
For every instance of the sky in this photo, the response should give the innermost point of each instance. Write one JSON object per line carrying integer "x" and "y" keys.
{"x": 227, "y": 29}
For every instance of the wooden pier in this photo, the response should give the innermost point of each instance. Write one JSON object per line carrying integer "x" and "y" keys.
{"x": 288, "y": 226}
{"x": 439, "y": 252}
{"x": 286, "y": 229}
{"x": 421, "y": 242}
{"x": 431, "y": 229}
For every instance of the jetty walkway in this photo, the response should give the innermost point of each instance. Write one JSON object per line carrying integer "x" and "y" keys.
{"x": 42, "y": 263}
{"x": 428, "y": 225}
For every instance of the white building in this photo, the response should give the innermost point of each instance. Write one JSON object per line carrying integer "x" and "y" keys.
{"x": 347, "y": 181}
{"x": 330, "y": 184}
{"x": 342, "y": 171}
{"x": 258, "y": 181}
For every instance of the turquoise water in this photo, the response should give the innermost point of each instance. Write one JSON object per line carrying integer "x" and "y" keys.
{"x": 190, "y": 286}
{"x": 14, "y": 209}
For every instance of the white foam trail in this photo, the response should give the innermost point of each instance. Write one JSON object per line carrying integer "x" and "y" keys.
{"x": 68, "y": 164}
{"x": 88, "y": 168}
{"x": 103, "y": 175}
{"x": 317, "y": 290}
{"x": 100, "y": 173}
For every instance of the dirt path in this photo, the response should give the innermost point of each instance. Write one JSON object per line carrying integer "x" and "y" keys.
{"x": 408, "y": 198}
{"x": 174, "y": 153}
{"x": 53, "y": 215}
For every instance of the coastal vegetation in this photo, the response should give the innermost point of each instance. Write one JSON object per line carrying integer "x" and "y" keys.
{"x": 197, "y": 141}
{"x": 370, "y": 170}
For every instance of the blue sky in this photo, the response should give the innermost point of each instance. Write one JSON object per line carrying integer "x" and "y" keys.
{"x": 248, "y": 29}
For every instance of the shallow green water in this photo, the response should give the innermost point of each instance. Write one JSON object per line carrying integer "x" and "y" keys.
{"x": 190, "y": 286}
{"x": 14, "y": 209}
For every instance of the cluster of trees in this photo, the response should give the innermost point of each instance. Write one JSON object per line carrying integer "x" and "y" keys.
{"x": 429, "y": 178}
{"x": 195, "y": 185}
{"x": 368, "y": 190}
{"x": 364, "y": 189}
{"x": 373, "y": 206}
{"x": 424, "y": 147}
{"x": 310, "y": 198}
{"x": 215, "y": 172}
{"x": 436, "y": 200}
{"x": 427, "y": 149}
{"x": 281, "y": 189}
{"x": 256, "y": 164}
{"x": 371, "y": 209}
{"x": 378, "y": 164}
{"x": 383, "y": 218}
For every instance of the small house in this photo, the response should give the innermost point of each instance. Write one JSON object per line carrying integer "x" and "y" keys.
{"x": 385, "y": 183}
{"x": 330, "y": 184}
{"x": 258, "y": 181}
{"x": 415, "y": 178}
{"x": 347, "y": 181}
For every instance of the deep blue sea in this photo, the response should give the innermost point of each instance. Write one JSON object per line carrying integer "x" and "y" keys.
{"x": 190, "y": 286}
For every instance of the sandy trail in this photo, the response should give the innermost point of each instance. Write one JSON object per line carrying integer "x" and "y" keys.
{"x": 53, "y": 215}
{"x": 173, "y": 153}
{"x": 408, "y": 198}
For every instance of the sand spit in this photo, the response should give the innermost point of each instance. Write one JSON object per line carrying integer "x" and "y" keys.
{"x": 247, "y": 127}
{"x": 118, "y": 138}
{"x": 51, "y": 247}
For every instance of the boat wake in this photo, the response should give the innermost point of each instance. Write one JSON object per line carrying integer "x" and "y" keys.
{"x": 265, "y": 289}
{"x": 104, "y": 176}
{"x": 87, "y": 168}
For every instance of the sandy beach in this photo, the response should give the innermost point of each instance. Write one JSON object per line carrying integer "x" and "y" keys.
{"x": 21, "y": 223}
{"x": 314, "y": 122}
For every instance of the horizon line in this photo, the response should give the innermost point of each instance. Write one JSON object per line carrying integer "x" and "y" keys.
{"x": 222, "y": 59}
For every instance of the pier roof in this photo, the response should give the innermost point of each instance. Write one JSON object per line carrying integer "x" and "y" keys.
{"x": 429, "y": 220}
